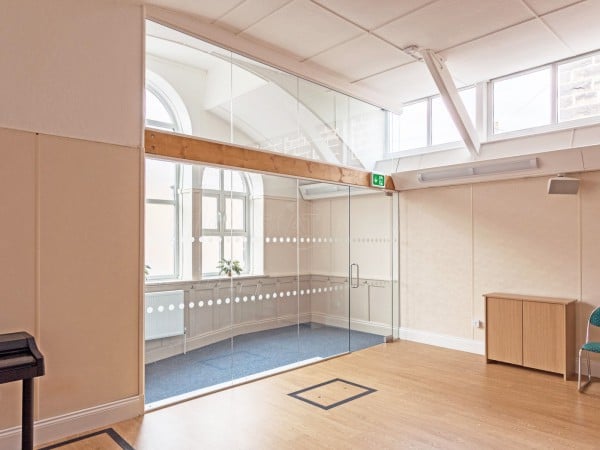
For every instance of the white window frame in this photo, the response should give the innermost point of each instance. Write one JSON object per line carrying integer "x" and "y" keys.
{"x": 222, "y": 232}
{"x": 429, "y": 148}
{"x": 175, "y": 202}
{"x": 554, "y": 125}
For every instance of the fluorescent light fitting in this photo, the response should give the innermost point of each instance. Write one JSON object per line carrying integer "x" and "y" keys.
{"x": 489, "y": 168}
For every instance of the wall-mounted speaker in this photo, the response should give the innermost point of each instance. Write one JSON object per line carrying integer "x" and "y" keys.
{"x": 563, "y": 185}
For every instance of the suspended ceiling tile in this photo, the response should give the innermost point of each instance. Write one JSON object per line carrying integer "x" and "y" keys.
{"x": 358, "y": 58}
{"x": 364, "y": 12}
{"x": 545, "y": 6}
{"x": 523, "y": 46}
{"x": 578, "y": 25}
{"x": 403, "y": 84}
{"x": 211, "y": 10}
{"x": 446, "y": 23}
{"x": 302, "y": 29}
{"x": 248, "y": 13}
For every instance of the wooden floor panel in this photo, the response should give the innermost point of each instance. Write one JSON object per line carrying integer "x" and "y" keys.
{"x": 427, "y": 397}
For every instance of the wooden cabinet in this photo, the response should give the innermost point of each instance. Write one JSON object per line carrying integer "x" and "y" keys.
{"x": 536, "y": 332}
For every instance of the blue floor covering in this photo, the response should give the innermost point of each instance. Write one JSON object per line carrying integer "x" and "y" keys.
{"x": 249, "y": 354}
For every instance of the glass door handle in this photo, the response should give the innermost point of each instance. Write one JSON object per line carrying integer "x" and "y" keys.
{"x": 354, "y": 280}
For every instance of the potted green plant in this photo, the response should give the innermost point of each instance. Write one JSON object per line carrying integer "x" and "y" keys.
{"x": 228, "y": 266}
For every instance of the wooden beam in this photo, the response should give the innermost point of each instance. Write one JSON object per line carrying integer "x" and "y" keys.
{"x": 188, "y": 148}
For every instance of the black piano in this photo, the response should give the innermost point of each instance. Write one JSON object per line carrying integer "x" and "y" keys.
{"x": 20, "y": 359}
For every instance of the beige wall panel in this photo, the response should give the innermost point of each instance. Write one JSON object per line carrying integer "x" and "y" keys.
{"x": 17, "y": 250}
{"x": 305, "y": 215}
{"x": 403, "y": 202}
{"x": 280, "y": 222}
{"x": 72, "y": 68}
{"x": 590, "y": 243}
{"x": 525, "y": 241}
{"x": 89, "y": 273}
{"x": 339, "y": 233}
{"x": 370, "y": 235}
{"x": 17, "y": 246}
{"x": 438, "y": 260}
{"x": 321, "y": 255}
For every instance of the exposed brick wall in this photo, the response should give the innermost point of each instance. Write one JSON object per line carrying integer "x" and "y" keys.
{"x": 579, "y": 89}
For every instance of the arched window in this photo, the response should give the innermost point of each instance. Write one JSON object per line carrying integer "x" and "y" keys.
{"x": 165, "y": 109}
{"x": 158, "y": 112}
{"x": 225, "y": 219}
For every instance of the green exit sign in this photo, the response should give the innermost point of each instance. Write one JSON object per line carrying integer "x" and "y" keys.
{"x": 377, "y": 180}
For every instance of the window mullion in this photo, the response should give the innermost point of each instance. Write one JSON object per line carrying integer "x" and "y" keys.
{"x": 429, "y": 122}
{"x": 554, "y": 93}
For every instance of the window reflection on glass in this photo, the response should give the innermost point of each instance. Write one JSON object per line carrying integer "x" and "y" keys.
{"x": 579, "y": 89}
{"x": 155, "y": 109}
{"x": 224, "y": 216}
{"x": 210, "y": 212}
{"x": 443, "y": 129}
{"x": 160, "y": 240}
{"x": 211, "y": 253}
{"x": 160, "y": 179}
{"x": 524, "y": 101}
{"x": 232, "y": 181}
{"x": 161, "y": 237}
{"x": 409, "y": 130}
{"x": 235, "y": 248}
{"x": 234, "y": 213}
{"x": 211, "y": 178}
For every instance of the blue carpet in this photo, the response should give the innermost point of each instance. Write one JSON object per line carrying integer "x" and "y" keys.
{"x": 249, "y": 354}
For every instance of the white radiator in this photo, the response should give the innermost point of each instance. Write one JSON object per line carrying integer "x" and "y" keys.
{"x": 164, "y": 314}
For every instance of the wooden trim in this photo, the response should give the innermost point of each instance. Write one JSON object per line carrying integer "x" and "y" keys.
{"x": 188, "y": 148}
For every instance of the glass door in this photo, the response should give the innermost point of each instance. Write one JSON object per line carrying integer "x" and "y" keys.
{"x": 371, "y": 272}
{"x": 324, "y": 259}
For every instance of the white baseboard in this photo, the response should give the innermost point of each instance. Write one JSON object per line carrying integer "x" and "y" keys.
{"x": 355, "y": 324}
{"x": 442, "y": 340}
{"x": 60, "y": 427}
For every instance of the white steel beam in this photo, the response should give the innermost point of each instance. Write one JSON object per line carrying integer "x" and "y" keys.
{"x": 454, "y": 104}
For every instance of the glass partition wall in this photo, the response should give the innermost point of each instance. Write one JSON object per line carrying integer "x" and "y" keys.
{"x": 314, "y": 259}
{"x": 249, "y": 273}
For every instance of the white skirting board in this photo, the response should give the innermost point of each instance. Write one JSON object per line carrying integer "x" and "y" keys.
{"x": 466, "y": 345}
{"x": 61, "y": 427}
{"x": 355, "y": 324}
{"x": 442, "y": 340}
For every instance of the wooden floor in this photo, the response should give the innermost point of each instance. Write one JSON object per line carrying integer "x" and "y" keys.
{"x": 426, "y": 397}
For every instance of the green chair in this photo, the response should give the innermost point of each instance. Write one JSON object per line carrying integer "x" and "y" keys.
{"x": 589, "y": 347}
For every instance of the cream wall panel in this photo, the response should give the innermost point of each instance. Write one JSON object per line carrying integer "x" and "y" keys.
{"x": 371, "y": 234}
{"x": 525, "y": 241}
{"x": 89, "y": 273}
{"x": 17, "y": 250}
{"x": 403, "y": 202}
{"x": 438, "y": 284}
{"x": 590, "y": 244}
{"x": 339, "y": 233}
{"x": 321, "y": 256}
{"x": 280, "y": 222}
{"x": 72, "y": 68}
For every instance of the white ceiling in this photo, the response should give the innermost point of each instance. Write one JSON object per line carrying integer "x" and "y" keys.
{"x": 362, "y": 41}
